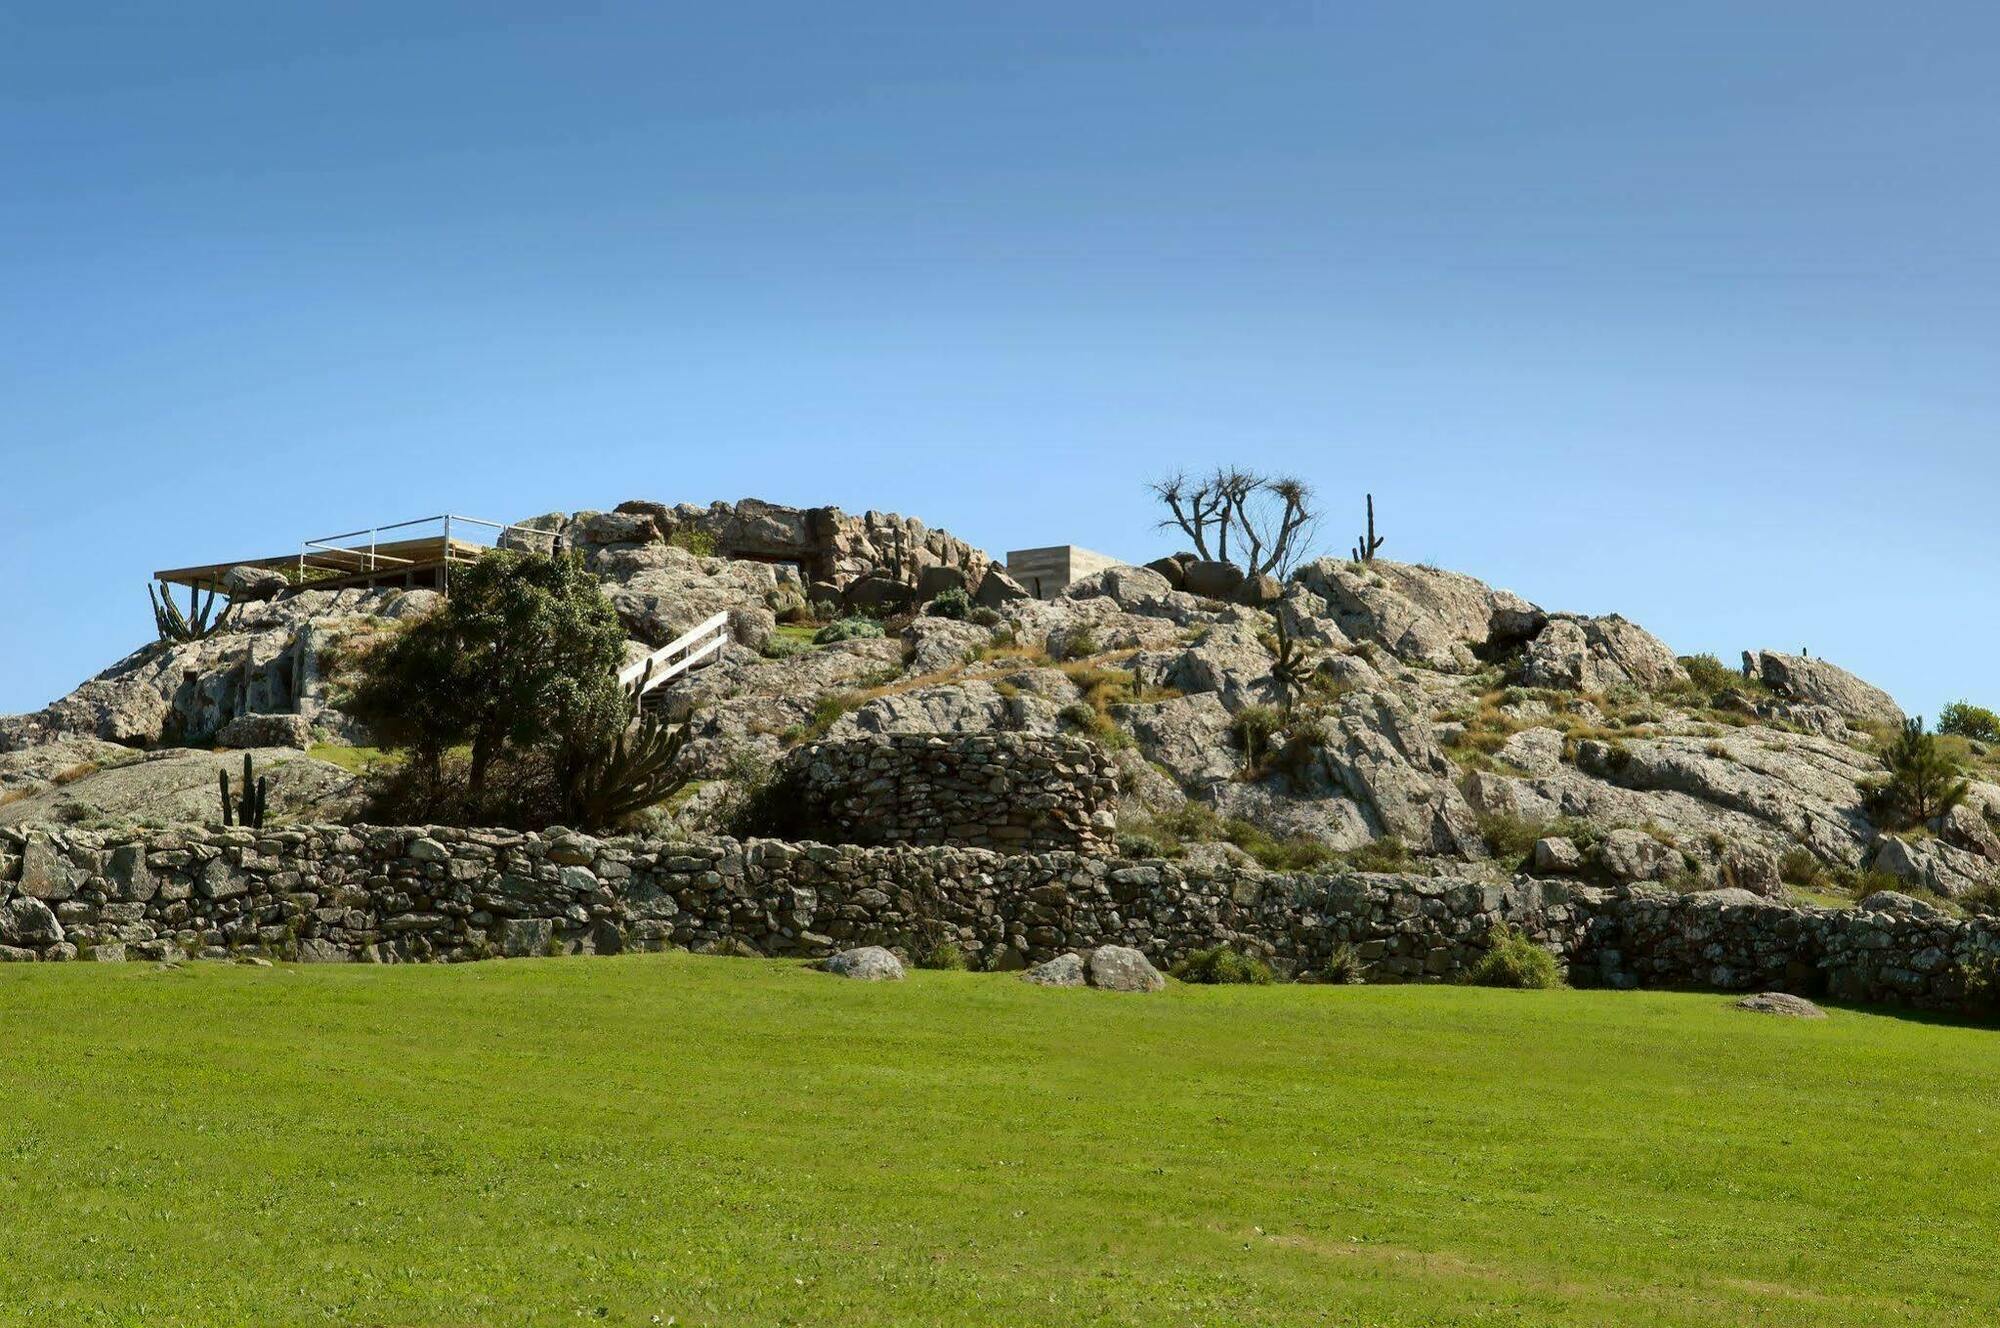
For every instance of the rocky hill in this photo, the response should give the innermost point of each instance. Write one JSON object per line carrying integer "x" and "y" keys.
{"x": 1379, "y": 713}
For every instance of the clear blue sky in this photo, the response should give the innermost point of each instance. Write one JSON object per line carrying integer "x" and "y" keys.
{"x": 1690, "y": 312}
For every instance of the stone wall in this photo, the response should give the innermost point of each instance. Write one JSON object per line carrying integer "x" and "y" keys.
{"x": 394, "y": 894}
{"x": 1013, "y": 792}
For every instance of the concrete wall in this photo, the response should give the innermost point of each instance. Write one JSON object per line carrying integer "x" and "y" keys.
{"x": 408, "y": 893}
{"x": 1044, "y": 573}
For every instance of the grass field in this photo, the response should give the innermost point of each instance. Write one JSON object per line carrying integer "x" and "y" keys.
{"x": 674, "y": 1139}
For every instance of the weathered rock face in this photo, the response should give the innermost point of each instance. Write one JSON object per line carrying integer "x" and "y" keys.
{"x": 1598, "y": 655}
{"x": 262, "y": 662}
{"x": 1122, "y": 968}
{"x": 824, "y": 544}
{"x": 1816, "y": 682}
{"x": 389, "y": 894}
{"x": 1386, "y": 756}
{"x": 179, "y": 786}
{"x": 1781, "y": 1003}
{"x": 1421, "y": 615}
{"x": 1010, "y": 792}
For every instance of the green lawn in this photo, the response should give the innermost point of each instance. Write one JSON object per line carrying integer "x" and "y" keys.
{"x": 676, "y": 1139}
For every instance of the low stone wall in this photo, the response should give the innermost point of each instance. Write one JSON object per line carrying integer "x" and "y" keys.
{"x": 394, "y": 894}
{"x": 1013, "y": 792}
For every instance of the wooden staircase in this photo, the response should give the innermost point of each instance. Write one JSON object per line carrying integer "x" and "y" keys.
{"x": 690, "y": 650}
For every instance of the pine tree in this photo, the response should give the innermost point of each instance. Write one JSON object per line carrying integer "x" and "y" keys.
{"x": 1924, "y": 781}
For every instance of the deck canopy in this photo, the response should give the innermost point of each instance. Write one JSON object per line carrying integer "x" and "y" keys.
{"x": 419, "y": 553}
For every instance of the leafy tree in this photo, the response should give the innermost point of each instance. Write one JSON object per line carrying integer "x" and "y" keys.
{"x": 1924, "y": 781}
{"x": 1970, "y": 721}
{"x": 523, "y": 656}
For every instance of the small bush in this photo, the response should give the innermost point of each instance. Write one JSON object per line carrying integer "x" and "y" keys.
{"x": 1711, "y": 675}
{"x": 953, "y": 603}
{"x": 1981, "y": 898}
{"x": 1253, "y": 727}
{"x": 1800, "y": 867}
{"x": 1387, "y": 854}
{"x": 1962, "y": 719}
{"x": 1515, "y": 961}
{"x": 985, "y": 617}
{"x": 847, "y": 629}
{"x": 945, "y": 957}
{"x": 1344, "y": 966}
{"x": 697, "y": 542}
{"x": 1510, "y": 837}
{"x": 1221, "y": 966}
{"x": 1082, "y": 644}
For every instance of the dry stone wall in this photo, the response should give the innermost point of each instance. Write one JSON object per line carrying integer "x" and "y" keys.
{"x": 1013, "y": 792}
{"x": 373, "y": 894}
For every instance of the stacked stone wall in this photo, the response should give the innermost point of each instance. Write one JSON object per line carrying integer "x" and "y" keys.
{"x": 376, "y": 894}
{"x": 1012, "y": 792}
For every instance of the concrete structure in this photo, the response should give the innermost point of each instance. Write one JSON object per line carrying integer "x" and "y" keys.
{"x": 1044, "y": 573}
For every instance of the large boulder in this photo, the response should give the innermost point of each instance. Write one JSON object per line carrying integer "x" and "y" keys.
{"x": 1421, "y": 615}
{"x": 1816, "y": 682}
{"x": 867, "y": 963}
{"x": 1781, "y": 1003}
{"x": 1133, "y": 589}
{"x": 1065, "y": 970}
{"x": 1121, "y": 968}
{"x": 1634, "y": 855}
{"x": 28, "y": 922}
{"x": 266, "y": 731}
{"x": 1933, "y": 865}
{"x": 1188, "y": 737}
{"x": 246, "y": 585}
{"x": 1212, "y": 579}
{"x": 1598, "y": 654}
{"x": 996, "y": 588}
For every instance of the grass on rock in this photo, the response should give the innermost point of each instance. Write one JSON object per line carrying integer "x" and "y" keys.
{"x": 714, "y": 1141}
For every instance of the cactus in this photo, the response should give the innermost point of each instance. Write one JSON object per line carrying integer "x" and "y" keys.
{"x": 248, "y": 810}
{"x": 195, "y": 624}
{"x": 1292, "y": 666}
{"x": 1364, "y": 549}
{"x": 641, "y": 768}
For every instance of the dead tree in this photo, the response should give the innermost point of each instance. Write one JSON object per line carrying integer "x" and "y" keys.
{"x": 1272, "y": 518}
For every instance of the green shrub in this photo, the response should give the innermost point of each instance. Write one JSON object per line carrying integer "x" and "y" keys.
{"x": 1082, "y": 644}
{"x": 1221, "y": 966}
{"x": 1964, "y": 720}
{"x": 985, "y": 617}
{"x": 1711, "y": 675}
{"x": 847, "y": 629}
{"x": 1981, "y": 898}
{"x": 1253, "y": 727}
{"x": 953, "y": 603}
{"x": 945, "y": 956}
{"x": 1387, "y": 854}
{"x": 1801, "y": 867}
{"x": 1514, "y": 961}
{"x": 1344, "y": 966}
{"x": 697, "y": 542}
{"x": 1511, "y": 838}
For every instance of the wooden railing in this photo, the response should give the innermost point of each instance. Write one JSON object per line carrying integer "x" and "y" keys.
{"x": 677, "y": 656}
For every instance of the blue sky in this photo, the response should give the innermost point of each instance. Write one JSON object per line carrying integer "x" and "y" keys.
{"x": 1688, "y": 312}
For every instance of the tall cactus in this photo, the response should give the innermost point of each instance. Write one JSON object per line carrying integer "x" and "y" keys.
{"x": 248, "y": 810}
{"x": 195, "y": 624}
{"x": 1364, "y": 549}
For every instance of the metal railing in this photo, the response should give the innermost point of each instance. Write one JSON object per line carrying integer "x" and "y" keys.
{"x": 345, "y": 555}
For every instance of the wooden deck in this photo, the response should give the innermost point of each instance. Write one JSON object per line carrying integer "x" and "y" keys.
{"x": 410, "y": 563}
